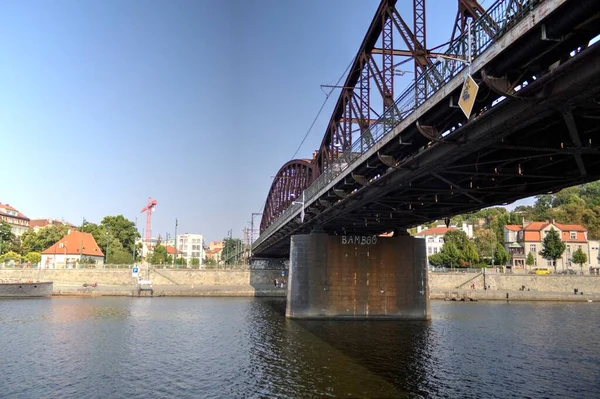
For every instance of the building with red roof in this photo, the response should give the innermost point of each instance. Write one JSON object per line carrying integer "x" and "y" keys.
{"x": 520, "y": 240}
{"x": 37, "y": 224}
{"x": 18, "y": 222}
{"x": 69, "y": 251}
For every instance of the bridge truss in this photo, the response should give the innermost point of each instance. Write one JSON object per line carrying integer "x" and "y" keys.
{"x": 385, "y": 150}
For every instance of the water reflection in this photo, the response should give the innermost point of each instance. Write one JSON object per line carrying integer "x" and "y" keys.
{"x": 244, "y": 347}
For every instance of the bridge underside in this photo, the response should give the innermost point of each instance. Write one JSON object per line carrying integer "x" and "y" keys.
{"x": 538, "y": 139}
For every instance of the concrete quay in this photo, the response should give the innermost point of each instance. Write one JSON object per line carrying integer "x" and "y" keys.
{"x": 468, "y": 295}
{"x": 171, "y": 290}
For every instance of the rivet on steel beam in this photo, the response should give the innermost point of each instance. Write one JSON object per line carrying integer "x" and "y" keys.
{"x": 496, "y": 170}
{"x": 436, "y": 198}
{"x": 520, "y": 170}
{"x": 562, "y": 145}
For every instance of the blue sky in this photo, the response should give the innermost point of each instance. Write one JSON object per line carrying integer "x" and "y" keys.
{"x": 196, "y": 103}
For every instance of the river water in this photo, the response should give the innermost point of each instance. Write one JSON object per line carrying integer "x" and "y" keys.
{"x": 245, "y": 348}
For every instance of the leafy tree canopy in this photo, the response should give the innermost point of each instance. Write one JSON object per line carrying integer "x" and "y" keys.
{"x": 552, "y": 246}
{"x": 530, "y": 261}
{"x": 33, "y": 257}
{"x": 579, "y": 257}
{"x": 233, "y": 247}
{"x": 6, "y": 237}
{"x": 119, "y": 257}
{"x": 159, "y": 255}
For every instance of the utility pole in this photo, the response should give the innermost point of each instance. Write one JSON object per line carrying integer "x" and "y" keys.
{"x": 175, "y": 244}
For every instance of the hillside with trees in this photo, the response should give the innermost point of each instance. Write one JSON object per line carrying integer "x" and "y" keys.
{"x": 573, "y": 205}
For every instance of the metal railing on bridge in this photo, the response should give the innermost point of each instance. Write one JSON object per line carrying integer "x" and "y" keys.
{"x": 497, "y": 20}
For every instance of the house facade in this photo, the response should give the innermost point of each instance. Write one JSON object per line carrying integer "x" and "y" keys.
{"x": 68, "y": 252}
{"x": 520, "y": 240}
{"x": 215, "y": 250}
{"x": 19, "y": 223}
{"x": 190, "y": 246}
{"x": 434, "y": 237}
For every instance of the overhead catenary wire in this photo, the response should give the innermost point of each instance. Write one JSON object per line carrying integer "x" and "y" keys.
{"x": 327, "y": 95}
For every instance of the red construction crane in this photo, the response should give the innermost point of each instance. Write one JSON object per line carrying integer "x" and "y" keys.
{"x": 148, "y": 209}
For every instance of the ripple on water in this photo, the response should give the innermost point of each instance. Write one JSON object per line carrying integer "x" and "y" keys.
{"x": 245, "y": 348}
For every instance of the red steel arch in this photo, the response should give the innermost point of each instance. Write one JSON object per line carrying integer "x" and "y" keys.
{"x": 293, "y": 178}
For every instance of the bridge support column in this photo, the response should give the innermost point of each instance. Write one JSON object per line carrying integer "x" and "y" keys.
{"x": 357, "y": 277}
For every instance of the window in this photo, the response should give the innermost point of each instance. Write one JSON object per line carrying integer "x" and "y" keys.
{"x": 532, "y": 248}
{"x": 549, "y": 262}
{"x": 430, "y": 239}
{"x": 441, "y": 239}
{"x": 573, "y": 235}
{"x": 435, "y": 250}
{"x": 429, "y": 250}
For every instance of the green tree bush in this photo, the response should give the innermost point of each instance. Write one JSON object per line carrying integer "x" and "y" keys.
{"x": 579, "y": 257}
{"x": 530, "y": 261}
{"x": 552, "y": 247}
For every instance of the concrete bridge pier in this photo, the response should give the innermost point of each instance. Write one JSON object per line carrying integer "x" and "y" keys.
{"x": 357, "y": 277}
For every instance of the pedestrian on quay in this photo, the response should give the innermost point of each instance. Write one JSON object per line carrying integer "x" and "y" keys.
{"x": 275, "y": 283}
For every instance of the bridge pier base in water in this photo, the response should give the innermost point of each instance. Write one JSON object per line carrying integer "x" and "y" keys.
{"x": 357, "y": 277}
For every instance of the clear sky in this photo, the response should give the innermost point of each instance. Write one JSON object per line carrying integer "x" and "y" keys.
{"x": 196, "y": 103}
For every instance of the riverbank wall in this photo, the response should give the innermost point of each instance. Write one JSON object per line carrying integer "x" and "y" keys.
{"x": 159, "y": 277}
{"x": 189, "y": 282}
{"x": 514, "y": 282}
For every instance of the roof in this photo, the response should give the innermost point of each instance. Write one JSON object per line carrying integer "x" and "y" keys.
{"x": 435, "y": 231}
{"x": 570, "y": 227}
{"x": 170, "y": 249}
{"x": 536, "y": 226}
{"x": 6, "y": 207}
{"x": 33, "y": 223}
{"x": 512, "y": 227}
{"x": 72, "y": 243}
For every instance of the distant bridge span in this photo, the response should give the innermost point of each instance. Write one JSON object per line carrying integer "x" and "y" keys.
{"x": 534, "y": 126}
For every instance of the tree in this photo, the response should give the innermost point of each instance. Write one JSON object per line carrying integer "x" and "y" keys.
{"x": 580, "y": 258}
{"x": 181, "y": 261}
{"x": 33, "y": 257}
{"x": 10, "y": 256}
{"x": 530, "y": 261}
{"x": 501, "y": 256}
{"x": 121, "y": 229}
{"x": 43, "y": 239}
{"x": 458, "y": 250}
{"x": 210, "y": 262}
{"x": 450, "y": 255}
{"x": 484, "y": 238}
{"x": 434, "y": 260}
{"x": 233, "y": 247}
{"x": 159, "y": 255}
{"x": 194, "y": 262}
{"x": 6, "y": 237}
{"x": 119, "y": 257}
{"x": 552, "y": 247}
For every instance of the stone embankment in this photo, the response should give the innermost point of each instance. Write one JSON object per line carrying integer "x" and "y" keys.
{"x": 515, "y": 287}
{"x": 189, "y": 282}
{"x": 165, "y": 282}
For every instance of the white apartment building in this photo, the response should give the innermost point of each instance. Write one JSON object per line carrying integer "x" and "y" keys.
{"x": 190, "y": 246}
{"x": 434, "y": 237}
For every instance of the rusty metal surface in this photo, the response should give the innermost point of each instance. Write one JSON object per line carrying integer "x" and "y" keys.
{"x": 334, "y": 279}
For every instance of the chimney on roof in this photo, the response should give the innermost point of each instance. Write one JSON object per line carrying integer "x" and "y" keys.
{"x": 419, "y": 229}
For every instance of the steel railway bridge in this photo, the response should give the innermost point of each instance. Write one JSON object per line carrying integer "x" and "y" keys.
{"x": 393, "y": 159}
